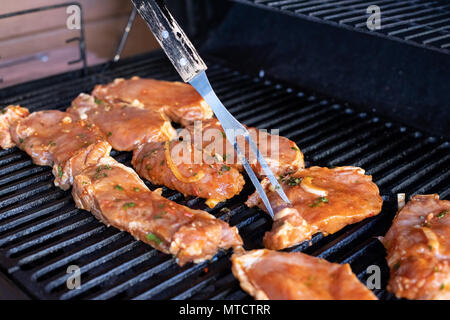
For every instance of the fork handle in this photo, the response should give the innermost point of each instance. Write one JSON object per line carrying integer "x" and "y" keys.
{"x": 171, "y": 37}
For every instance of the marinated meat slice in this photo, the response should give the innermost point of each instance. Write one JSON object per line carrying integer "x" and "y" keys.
{"x": 59, "y": 139}
{"x": 174, "y": 165}
{"x": 178, "y": 101}
{"x": 272, "y": 275}
{"x": 8, "y": 116}
{"x": 126, "y": 126}
{"x": 66, "y": 171}
{"x": 282, "y": 155}
{"x": 323, "y": 200}
{"x": 418, "y": 249}
{"x": 117, "y": 196}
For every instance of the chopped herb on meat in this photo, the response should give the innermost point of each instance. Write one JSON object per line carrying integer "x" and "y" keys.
{"x": 442, "y": 214}
{"x": 105, "y": 167}
{"x": 293, "y": 181}
{"x": 152, "y": 237}
{"x": 318, "y": 202}
{"x": 129, "y": 205}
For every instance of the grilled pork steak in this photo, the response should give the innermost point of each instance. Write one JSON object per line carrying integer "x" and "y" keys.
{"x": 59, "y": 139}
{"x": 323, "y": 200}
{"x": 125, "y": 126}
{"x": 8, "y": 116}
{"x": 117, "y": 196}
{"x": 418, "y": 249}
{"x": 180, "y": 102}
{"x": 273, "y": 275}
{"x": 173, "y": 165}
{"x": 281, "y": 154}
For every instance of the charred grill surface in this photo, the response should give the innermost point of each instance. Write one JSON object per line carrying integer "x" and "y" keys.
{"x": 42, "y": 233}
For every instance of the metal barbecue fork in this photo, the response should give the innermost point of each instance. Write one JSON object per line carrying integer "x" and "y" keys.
{"x": 191, "y": 68}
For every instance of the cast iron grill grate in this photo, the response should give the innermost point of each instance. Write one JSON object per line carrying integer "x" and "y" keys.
{"x": 421, "y": 23}
{"x": 42, "y": 233}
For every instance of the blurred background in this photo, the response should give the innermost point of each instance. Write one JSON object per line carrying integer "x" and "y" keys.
{"x": 34, "y": 45}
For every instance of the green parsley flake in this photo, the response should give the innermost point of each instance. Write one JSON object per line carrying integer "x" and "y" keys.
{"x": 442, "y": 214}
{"x": 105, "y": 167}
{"x": 98, "y": 101}
{"x": 129, "y": 205}
{"x": 60, "y": 172}
{"x": 318, "y": 202}
{"x": 109, "y": 134}
{"x": 99, "y": 175}
{"x": 118, "y": 187}
{"x": 292, "y": 181}
{"x": 152, "y": 237}
{"x": 136, "y": 189}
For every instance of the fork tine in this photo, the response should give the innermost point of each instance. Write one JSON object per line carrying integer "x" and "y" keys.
{"x": 254, "y": 179}
{"x": 266, "y": 168}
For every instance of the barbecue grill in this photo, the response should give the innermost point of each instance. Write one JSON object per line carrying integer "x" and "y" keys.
{"x": 264, "y": 84}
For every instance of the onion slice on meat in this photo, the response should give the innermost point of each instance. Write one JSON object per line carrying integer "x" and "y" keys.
{"x": 175, "y": 170}
{"x": 307, "y": 185}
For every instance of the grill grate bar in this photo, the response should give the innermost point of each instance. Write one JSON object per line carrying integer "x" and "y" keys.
{"x": 351, "y": 14}
{"x": 59, "y": 246}
{"x": 57, "y": 232}
{"x": 34, "y": 228}
{"x": 140, "y": 278}
{"x": 65, "y": 261}
{"x": 93, "y": 282}
{"x": 354, "y": 10}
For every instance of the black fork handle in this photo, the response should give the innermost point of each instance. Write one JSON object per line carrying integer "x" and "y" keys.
{"x": 171, "y": 37}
